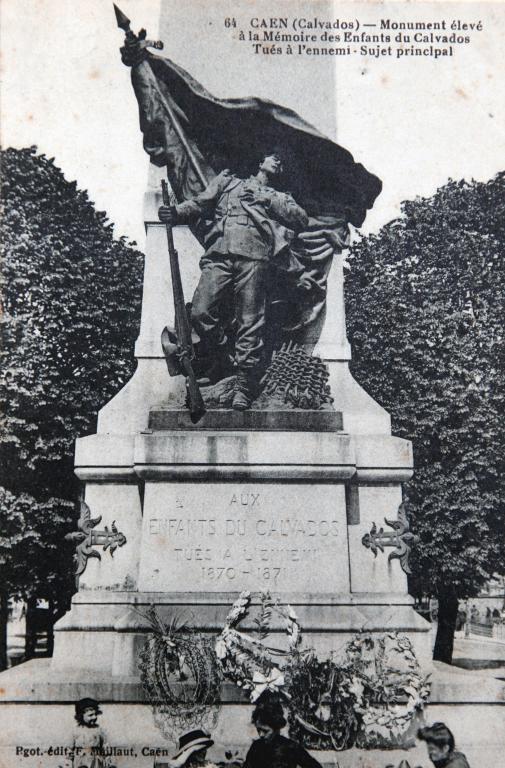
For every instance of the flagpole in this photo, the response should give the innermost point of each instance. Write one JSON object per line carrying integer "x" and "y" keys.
{"x": 123, "y": 23}
{"x": 177, "y": 127}
{"x": 184, "y": 352}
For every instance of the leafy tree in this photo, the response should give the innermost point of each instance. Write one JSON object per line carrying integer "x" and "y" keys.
{"x": 34, "y": 560}
{"x": 426, "y": 317}
{"x": 71, "y": 308}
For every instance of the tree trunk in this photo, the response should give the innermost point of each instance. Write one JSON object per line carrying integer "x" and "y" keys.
{"x": 50, "y": 628}
{"x": 30, "y": 628}
{"x": 447, "y": 615}
{"x": 4, "y": 616}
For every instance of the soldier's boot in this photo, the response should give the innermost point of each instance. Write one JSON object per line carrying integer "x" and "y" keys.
{"x": 220, "y": 369}
{"x": 220, "y": 366}
{"x": 245, "y": 391}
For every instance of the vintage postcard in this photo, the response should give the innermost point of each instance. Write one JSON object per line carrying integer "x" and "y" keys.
{"x": 252, "y": 384}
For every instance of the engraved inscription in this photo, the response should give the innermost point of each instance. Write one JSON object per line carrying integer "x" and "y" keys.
{"x": 181, "y": 527}
{"x": 245, "y": 499}
{"x": 197, "y": 541}
{"x": 213, "y": 537}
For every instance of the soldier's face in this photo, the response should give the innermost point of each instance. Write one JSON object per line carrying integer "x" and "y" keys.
{"x": 271, "y": 164}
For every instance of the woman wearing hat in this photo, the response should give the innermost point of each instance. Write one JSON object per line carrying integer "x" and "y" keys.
{"x": 193, "y": 747}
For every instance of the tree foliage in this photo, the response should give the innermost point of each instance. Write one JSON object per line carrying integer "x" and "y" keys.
{"x": 426, "y": 318}
{"x": 71, "y": 307}
{"x": 31, "y": 543}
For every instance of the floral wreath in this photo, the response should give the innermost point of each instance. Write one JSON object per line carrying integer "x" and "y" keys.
{"x": 180, "y": 675}
{"x": 366, "y": 696}
{"x": 248, "y": 661}
{"x": 391, "y": 687}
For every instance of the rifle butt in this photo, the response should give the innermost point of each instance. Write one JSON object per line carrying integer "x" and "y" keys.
{"x": 195, "y": 399}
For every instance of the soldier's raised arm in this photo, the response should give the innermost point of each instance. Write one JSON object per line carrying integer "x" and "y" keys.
{"x": 201, "y": 205}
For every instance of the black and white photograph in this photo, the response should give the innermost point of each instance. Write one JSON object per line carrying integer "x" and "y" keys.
{"x": 252, "y": 384}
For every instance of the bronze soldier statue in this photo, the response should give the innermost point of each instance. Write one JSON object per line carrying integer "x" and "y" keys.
{"x": 261, "y": 246}
{"x": 252, "y": 224}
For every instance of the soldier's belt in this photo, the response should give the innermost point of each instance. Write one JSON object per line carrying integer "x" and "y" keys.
{"x": 240, "y": 218}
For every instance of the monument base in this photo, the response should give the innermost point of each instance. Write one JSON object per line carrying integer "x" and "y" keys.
{"x": 36, "y": 711}
{"x": 208, "y": 513}
{"x": 106, "y": 632}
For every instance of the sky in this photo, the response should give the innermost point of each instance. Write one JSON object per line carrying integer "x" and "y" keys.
{"x": 414, "y": 123}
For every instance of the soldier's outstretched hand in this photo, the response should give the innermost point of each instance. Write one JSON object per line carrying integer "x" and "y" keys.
{"x": 323, "y": 243}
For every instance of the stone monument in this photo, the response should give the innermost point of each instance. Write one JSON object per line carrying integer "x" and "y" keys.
{"x": 259, "y": 499}
{"x": 289, "y": 500}
{"x": 264, "y": 498}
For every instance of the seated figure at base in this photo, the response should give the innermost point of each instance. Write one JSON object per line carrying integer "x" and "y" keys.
{"x": 89, "y": 748}
{"x": 441, "y": 747}
{"x": 192, "y": 751}
{"x": 272, "y": 749}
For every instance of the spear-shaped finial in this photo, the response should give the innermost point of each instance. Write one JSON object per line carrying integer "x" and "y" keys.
{"x": 123, "y": 21}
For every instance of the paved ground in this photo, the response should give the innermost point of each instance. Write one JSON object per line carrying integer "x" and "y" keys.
{"x": 479, "y": 653}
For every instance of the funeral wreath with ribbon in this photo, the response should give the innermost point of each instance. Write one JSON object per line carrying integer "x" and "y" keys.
{"x": 367, "y": 695}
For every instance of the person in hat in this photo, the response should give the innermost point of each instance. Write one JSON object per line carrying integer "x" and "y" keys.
{"x": 89, "y": 741}
{"x": 441, "y": 746}
{"x": 193, "y": 747}
{"x": 273, "y": 750}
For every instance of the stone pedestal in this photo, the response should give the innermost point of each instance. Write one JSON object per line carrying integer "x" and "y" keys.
{"x": 37, "y": 713}
{"x": 208, "y": 513}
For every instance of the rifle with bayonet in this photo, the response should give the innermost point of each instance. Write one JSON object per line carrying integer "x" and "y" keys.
{"x": 178, "y": 348}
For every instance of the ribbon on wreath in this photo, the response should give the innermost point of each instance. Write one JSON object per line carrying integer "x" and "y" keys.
{"x": 274, "y": 681}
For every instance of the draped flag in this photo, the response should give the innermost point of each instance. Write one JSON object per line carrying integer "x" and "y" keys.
{"x": 197, "y": 135}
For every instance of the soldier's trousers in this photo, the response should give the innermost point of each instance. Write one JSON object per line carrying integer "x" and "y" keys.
{"x": 246, "y": 280}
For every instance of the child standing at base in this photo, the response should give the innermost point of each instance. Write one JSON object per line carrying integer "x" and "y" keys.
{"x": 89, "y": 742}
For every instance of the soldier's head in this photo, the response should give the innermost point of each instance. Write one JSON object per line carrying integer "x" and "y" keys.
{"x": 271, "y": 161}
